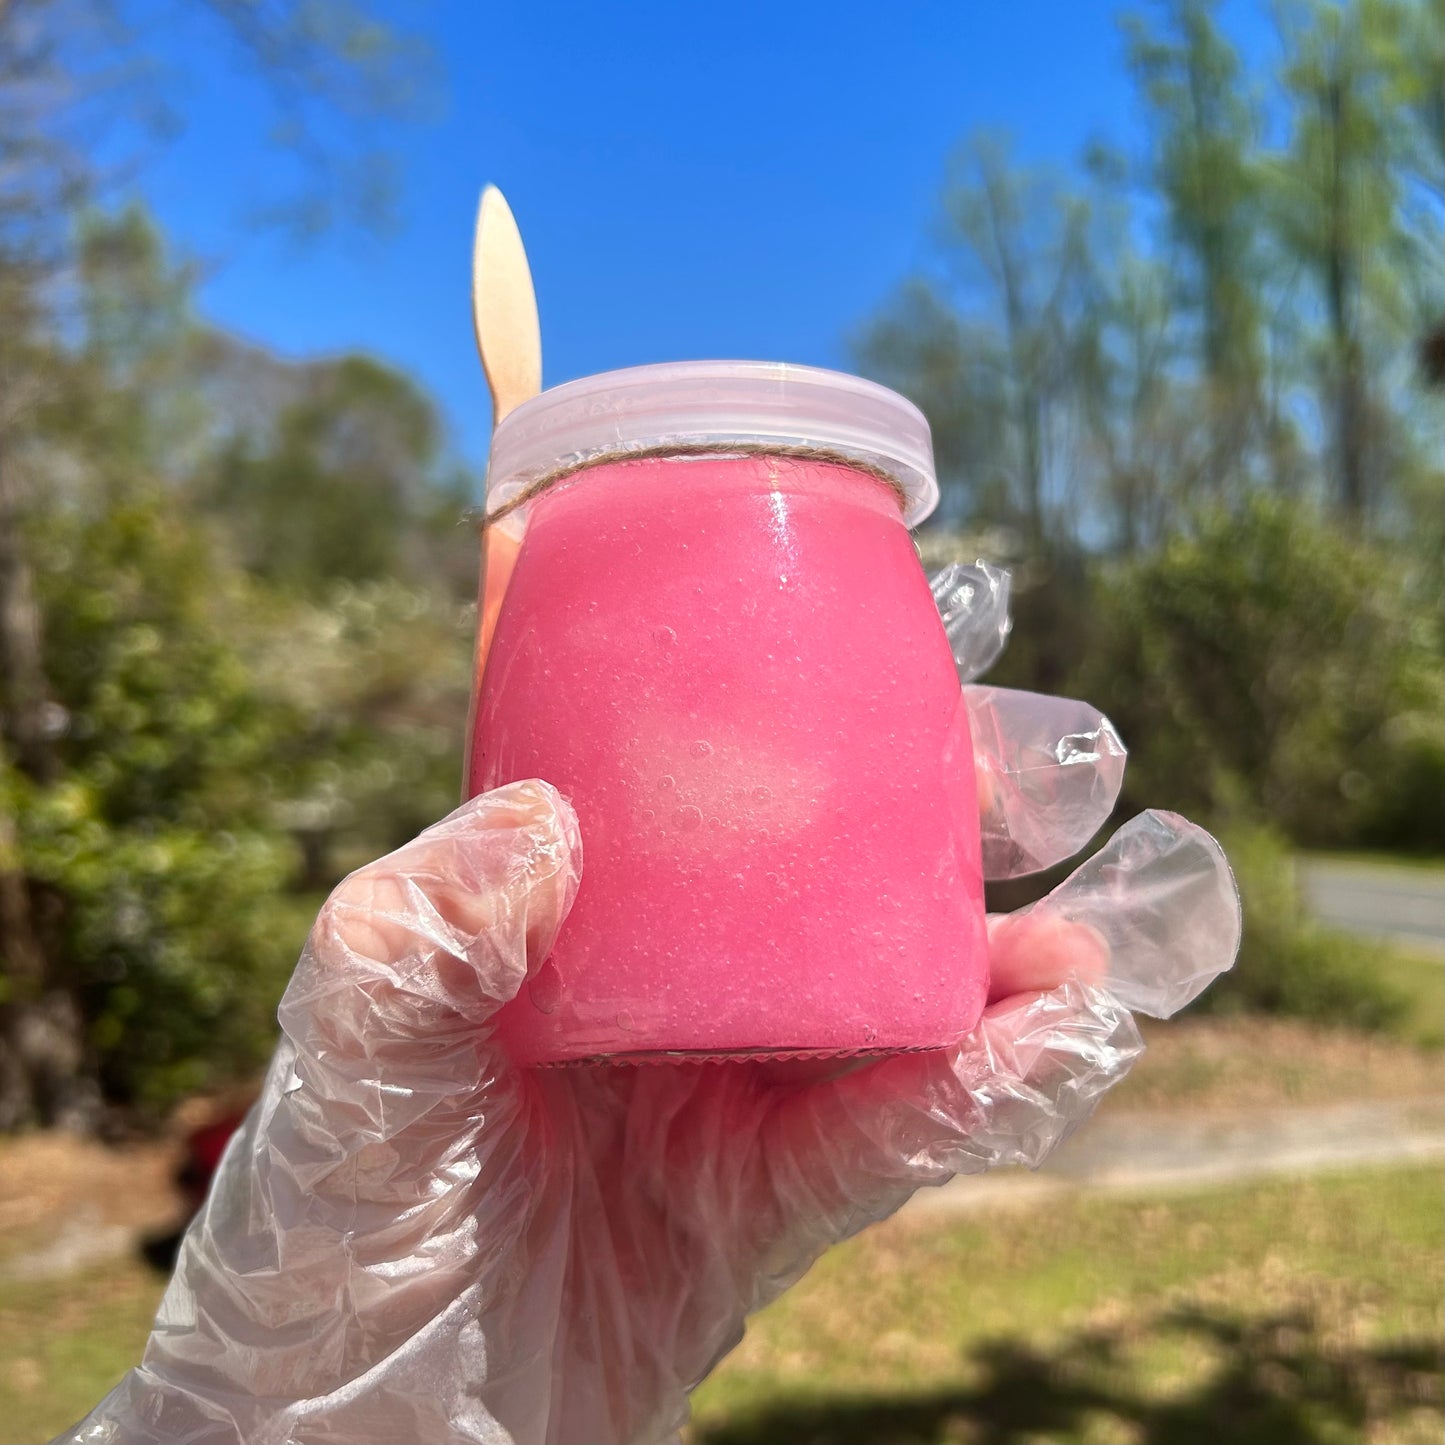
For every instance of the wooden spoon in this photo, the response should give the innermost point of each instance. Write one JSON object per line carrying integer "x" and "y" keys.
{"x": 509, "y": 338}
{"x": 504, "y": 308}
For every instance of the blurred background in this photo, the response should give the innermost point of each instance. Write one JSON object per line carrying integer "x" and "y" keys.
{"x": 1167, "y": 283}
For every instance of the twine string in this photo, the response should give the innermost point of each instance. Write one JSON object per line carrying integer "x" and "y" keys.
{"x": 538, "y": 485}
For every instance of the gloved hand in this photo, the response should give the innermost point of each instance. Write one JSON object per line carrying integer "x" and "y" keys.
{"x": 411, "y": 1240}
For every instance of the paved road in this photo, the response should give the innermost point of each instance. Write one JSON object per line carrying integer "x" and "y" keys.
{"x": 1403, "y": 904}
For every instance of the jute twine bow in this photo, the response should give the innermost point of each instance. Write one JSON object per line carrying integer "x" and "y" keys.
{"x": 538, "y": 485}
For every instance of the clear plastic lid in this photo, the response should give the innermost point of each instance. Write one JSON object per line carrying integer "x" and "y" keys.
{"x": 752, "y": 403}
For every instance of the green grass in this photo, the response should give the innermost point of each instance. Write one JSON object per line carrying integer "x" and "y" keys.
{"x": 1421, "y": 979}
{"x": 1290, "y": 1312}
{"x": 63, "y": 1344}
{"x": 1417, "y": 975}
{"x": 1249, "y": 1062}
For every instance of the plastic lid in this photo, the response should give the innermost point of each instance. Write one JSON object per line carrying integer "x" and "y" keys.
{"x": 691, "y": 402}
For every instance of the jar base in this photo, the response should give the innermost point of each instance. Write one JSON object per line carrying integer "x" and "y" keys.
{"x": 736, "y": 1056}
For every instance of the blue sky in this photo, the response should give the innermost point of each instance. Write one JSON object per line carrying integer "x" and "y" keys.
{"x": 740, "y": 180}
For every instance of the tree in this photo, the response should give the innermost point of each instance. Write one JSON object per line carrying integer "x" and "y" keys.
{"x": 39, "y": 177}
{"x": 58, "y": 69}
{"x": 1185, "y": 425}
{"x": 1015, "y": 253}
{"x": 201, "y": 718}
{"x": 1203, "y": 166}
{"x": 331, "y": 484}
{"x": 1148, "y": 449}
{"x": 148, "y": 856}
{"x": 949, "y": 366}
{"x": 996, "y": 217}
{"x": 374, "y": 680}
{"x": 1344, "y": 213}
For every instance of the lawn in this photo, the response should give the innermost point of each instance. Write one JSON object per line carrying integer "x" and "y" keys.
{"x": 1290, "y": 1312}
{"x": 1286, "y": 1312}
{"x": 64, "y": 1343}
{"x": 1422, "y": 980}
{"x": 1247, "y": 1062}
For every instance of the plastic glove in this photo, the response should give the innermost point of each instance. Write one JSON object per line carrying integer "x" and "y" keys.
{"x": 410, "y": 1240}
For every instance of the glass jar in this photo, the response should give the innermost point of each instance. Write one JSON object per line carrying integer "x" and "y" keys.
{"x": 718, "y": 642}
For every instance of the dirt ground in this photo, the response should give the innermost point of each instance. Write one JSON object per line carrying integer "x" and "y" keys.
{"x": 67, "y": 1202}
{"x": 48, "y": 1179}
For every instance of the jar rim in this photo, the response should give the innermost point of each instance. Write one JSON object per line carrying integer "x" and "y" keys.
{"x": 690, "y": 403}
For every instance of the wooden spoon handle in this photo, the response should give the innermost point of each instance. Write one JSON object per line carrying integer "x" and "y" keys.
{"x": 504, "y": 307}
{"x": 509, "y": 339}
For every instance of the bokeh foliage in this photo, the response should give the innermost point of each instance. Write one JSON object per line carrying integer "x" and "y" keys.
{"x": 223, "y": 723}
{"x": 1192, "y": 391}
{"x": 1272, "y": 664}
{"x": 1179, "y": 388}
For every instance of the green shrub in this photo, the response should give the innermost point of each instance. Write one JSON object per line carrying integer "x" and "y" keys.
{"x": 174, "y": 941}
{"x": 210, "y": 730}
{"x": 153, "y": 857}
{"x": 1287, "y": 965}
{"x": 1271, "y": 665}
